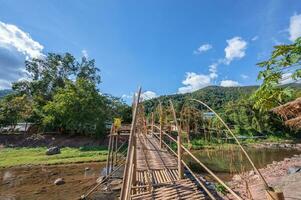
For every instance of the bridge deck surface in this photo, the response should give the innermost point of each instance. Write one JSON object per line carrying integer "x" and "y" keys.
{"x": 157, "y": 173}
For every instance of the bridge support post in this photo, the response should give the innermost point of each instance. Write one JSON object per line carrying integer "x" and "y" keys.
{"x": 134, "y": 159}
{"x": 180, "y": 165}
{"x": 161, "y": 124}
{"x": 152, "y": 129}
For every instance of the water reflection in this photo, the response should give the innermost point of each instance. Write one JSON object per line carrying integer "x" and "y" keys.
{"x": 231, "y": 160}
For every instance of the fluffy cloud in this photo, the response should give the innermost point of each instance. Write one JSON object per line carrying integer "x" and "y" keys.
{"x": 213, "y": 71}
{"x": 295, "y": 27}
{"x": 235, "y": 50}
{"x": 148, "y": 95}
{"x": 11, "y": 37}
{"x": 203, "y": 48}
{"x": 229, "y": 83}
{"x": 4, "y": 84}
{"x": 15, "y": 47}
{"x": 194, "y": 82}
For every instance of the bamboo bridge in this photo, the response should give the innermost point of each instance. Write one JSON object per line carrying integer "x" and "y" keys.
{"x": 153, "y": 164}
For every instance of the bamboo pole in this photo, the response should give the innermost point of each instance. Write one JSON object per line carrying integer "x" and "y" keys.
{"x": 109, "y": 151}
{"x": 180, "y": 166}
{"x": 161, "y": 123}
{"x": 127, "y": 169}
{"x": 152, "y": 118}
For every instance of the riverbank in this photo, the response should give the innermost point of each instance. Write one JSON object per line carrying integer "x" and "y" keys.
{"x": 283, "y": 175}
{"x": 37, "y": 182}
{"x": 37, "y": 156}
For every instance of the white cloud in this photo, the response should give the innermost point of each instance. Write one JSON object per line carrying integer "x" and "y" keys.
{"x": 4, "y": 84}
{"x": 287, "y": 79}
{"x": 194, "y": 82}
{"x": 255, "y": 38}
{"x": 244, "y": 76}
{"x": 15, "y": 46}
{"x": 85, "y": 53}
{"x": 229, "y": 83}
{"x": 148, "y": 95}
{"x": 13, "y": 37}
{"x": 295, "y": 27}
{"x": 203, "y": 48}
{"x": 235, "y": 50}
{"x": 213, "y": 71}
{"x": 126, "y": 96}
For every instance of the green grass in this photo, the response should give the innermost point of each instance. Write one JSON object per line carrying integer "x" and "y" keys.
{"x": 36, "y": 156}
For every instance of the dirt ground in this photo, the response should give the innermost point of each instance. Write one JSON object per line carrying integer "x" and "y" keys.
{"x": 37, "y": 182}
{"x": 37, "y": 140}
{"x": 276, "y": 175}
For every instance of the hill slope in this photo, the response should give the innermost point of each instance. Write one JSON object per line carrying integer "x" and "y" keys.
{"x": 215, "y": 96}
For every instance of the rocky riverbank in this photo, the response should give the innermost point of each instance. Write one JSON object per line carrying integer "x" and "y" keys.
{"x": 284, "y": 176}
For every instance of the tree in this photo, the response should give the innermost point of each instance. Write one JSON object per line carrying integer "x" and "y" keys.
{"x": 14, "y": 109}
{"x": 61, "y": 93}
{"x": 284, "y": 63}
{"x": 76, "y": 108}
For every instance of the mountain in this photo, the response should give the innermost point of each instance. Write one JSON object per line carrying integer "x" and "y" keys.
{"x": 5, "y": 92}
{"x": 215, "y": 96}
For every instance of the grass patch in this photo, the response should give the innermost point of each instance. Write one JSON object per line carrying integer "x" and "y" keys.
{"x": 36, "y": 156}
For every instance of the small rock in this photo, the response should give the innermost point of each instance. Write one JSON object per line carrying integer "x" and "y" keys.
{"x": 293, "y": 170}
{"x": 251, "y": 173}
{"x": 99, "y": 180}
{"x": 87, "y": 168}
{"x": 236, "y": 177}
{"x": 53, "y": 150}
{"x": 59, "y": 181}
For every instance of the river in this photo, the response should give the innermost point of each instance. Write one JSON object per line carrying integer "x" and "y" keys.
{"x": 225, "y": 162}
{"x": 37, "y": 182}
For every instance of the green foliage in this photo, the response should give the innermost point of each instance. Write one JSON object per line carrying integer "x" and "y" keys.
{"x": 60, "y": 93}
{"x": 36, "y": 156}
{"x": 77, "y": 108}
{"x": 220, "y": 188}
{"x": 284, "y": 61}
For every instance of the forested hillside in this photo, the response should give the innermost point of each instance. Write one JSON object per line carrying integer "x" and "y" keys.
{"x": 215, "y": 96}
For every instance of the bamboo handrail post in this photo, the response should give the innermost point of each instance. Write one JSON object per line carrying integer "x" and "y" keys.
{"x": 125, "y": 184}
{"x": 152, "y": 122}
{"x": 180, "y": 166}
{"x": 109, "y": 151}
{"x": 161, "y": 121}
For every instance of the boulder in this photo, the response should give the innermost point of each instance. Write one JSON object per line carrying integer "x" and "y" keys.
{"x": 59, "y": 181}
{"x": 293, "y": 170}
{"x": 53, "y": 151}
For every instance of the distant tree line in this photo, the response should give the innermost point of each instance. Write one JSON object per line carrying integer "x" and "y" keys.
{"x": 61, "y": 94}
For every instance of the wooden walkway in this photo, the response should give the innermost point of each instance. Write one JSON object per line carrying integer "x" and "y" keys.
{"x": 157, "y": 169}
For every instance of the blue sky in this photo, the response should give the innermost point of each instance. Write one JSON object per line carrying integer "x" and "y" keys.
{"x": 166, "y": 46}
